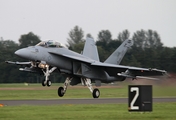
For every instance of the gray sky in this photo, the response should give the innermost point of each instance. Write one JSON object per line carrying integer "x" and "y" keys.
{"x": 53, "y": 19}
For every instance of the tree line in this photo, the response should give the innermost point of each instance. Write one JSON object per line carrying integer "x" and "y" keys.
{"x": 148, "y": 51}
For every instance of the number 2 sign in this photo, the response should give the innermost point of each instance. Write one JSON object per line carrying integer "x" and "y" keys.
{"x": 140, "y": 98}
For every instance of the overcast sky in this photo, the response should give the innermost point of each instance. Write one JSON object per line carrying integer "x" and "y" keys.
{"x": 53, "y": 19}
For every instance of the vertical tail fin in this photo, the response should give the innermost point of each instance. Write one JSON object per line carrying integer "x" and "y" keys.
{"x": 117, "y": 56}
{"x": 90, "y": 49}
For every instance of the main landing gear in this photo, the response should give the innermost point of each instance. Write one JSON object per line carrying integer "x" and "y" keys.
{"x": 62, "y": 90}
{"x": 95, "y": 92}
{"x": 47, "y": 73}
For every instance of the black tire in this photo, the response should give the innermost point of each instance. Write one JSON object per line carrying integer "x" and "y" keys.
{"x": 48, "y": 83}
{"x": 43, "y": 83}
{"x": 60, "y": 91}
{"x": 96, "y": 93}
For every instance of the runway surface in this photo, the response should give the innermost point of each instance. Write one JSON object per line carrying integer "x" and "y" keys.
{"x": 76, "y": 101}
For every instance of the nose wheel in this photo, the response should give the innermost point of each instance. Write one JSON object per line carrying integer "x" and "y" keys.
{"x": 48, "y": 83}
{"x": 47, "y": 73}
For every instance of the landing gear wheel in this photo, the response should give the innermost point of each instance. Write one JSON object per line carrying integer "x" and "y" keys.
{"x": 48, "y": 83}
{"x": 96, "y": 93}
{"x": 60, "y": 91}
{"x": 43, "y": 83}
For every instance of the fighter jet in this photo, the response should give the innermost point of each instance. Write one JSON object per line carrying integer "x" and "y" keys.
{"x": 50, "y": 56}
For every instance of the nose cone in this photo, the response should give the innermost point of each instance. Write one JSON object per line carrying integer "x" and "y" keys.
{"x": 17, "y": 52}
{"x": 24, "y": 53}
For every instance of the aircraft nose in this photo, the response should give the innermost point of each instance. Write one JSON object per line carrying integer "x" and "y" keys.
{"x": 22, "y": 53}
{"x": 17, "y": 52}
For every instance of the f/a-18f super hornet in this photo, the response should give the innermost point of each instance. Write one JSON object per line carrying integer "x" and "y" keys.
{"x": 47, "y": 57}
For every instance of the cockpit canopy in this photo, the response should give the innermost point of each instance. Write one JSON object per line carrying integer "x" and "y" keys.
{"x": 50, "y": 43}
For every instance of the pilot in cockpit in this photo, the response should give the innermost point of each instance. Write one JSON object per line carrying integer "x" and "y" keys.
{"x": 50, "y": 43}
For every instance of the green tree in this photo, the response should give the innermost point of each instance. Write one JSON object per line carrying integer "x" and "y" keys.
{"x": 75, "y": 37}
{"x": 79, "y": 47}
{"x": 173, "y": 59}
{"x": 105, "y": 49}
{"x": 153, "y": 39}
{"x": 167, "y": 59}
{"x": 102, "y": 53}
{"x": 147, "y": 39}
{"x": 89, "y": 35}
{"x": 123, "y": 35}
{"x": 104, "y": 36}
{"x": 139, "y": 39}
{"x": 28, "y": 40}
{"x": 7, "y": 49}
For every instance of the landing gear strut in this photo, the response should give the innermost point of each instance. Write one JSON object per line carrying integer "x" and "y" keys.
{"x": 95, "y": 92}
{"x": 47, "y": 73}
{"x": 62, "y": 90}
{"x": 85, "y": 81}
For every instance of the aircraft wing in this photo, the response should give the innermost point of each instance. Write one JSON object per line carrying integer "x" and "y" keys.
{"x": 117, "y": 70}
{"x": 77, "y": 58}
{"x": 127, "y": 71}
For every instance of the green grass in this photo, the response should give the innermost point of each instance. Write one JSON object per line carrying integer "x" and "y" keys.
{"x": 36, "y": 91}
{"x": 165, "y": 111}
{"x": 52, "y": 93}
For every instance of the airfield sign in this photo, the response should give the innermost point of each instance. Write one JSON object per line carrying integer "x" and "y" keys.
{"x": 140, "y": 98}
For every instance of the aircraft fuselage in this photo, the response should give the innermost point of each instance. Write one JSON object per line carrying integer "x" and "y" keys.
{"x": 69, "y": 66}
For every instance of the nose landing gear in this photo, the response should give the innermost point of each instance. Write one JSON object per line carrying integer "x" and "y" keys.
{"x": 47, "y": 73}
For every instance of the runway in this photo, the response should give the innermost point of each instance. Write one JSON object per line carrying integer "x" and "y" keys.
{"x": 76, "y": 101}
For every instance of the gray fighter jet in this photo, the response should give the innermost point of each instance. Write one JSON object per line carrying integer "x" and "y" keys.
{"x": 47, "y": 57}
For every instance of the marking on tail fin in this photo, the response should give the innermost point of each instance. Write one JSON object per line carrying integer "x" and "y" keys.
{"x": 90, "y": 49}
{"x": 117, "y": 56}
